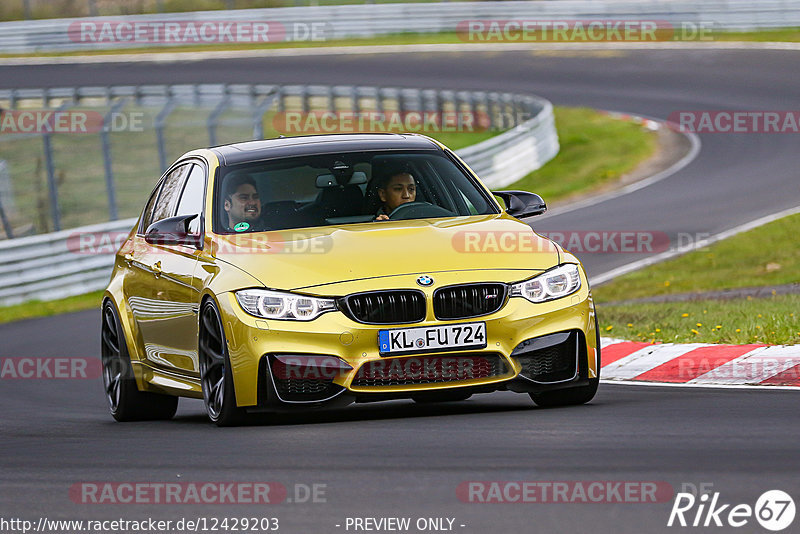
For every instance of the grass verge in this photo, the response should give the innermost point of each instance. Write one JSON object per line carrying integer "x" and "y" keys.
{"x": 36, "y": 308}
{"x": 781, "y": 35}
{"x": 595, "y": 150}
{"x": 765, "y": 256}
{"x": 738, "y": 321}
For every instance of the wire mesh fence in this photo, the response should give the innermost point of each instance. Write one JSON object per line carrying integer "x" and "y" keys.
{"x": 76, "y": 156}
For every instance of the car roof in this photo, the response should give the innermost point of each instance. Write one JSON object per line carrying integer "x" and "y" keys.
{"x": 318, "y": 144}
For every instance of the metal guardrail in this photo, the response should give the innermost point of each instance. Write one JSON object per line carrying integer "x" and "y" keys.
{"x": 48, "y": 267}
{"x": 344, "y": 21}
{"x": 51, "y": 266}
{"x": 508, "y": 157}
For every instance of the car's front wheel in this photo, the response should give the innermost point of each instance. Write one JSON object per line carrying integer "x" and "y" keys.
{"x": 216, "y": 377}
{"x": 125, "y": 401}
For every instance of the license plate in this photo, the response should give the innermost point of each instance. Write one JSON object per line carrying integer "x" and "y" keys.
{"x": 432, "y": 338}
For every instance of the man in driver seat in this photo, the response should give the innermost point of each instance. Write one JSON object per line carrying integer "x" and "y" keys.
{"x": 394, "y": 189}
{"x": 242, "y": 204}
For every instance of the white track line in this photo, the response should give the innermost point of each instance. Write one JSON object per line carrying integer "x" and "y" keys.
{"x": 694, "y": 150}
{"x": 650, "y": 260}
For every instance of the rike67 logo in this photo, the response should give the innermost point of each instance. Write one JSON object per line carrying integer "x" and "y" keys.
{"x": 774, "y": 510}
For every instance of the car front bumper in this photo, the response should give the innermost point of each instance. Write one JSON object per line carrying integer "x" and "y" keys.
{"x": 338, "y": 358}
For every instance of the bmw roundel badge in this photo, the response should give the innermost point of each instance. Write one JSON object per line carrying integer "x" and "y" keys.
{"x": 425, "y": 280}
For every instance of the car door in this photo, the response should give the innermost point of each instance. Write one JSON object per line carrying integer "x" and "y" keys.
{"x": 166, "y": 305}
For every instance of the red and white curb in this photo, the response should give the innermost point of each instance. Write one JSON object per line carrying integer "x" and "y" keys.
{"x": 700, "y": 364}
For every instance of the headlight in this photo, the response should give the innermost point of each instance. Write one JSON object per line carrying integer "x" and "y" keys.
{"x": 553, "y": 284}
{"x": 278, "y": 305}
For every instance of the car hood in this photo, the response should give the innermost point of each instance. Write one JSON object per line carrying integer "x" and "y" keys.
{"x": 309, "y": 257}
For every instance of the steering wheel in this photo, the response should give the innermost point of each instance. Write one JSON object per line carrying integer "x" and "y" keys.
{"x": 418, "y": 210}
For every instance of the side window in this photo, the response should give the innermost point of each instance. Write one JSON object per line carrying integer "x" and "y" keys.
{"x": 470, "y": 207}
{"x": 193, "y": 196}
{"x": 147, "y": 215}
{"x": 170, "y": 192}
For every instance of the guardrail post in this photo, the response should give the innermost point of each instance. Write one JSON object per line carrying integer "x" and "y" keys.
{"x": 161, "y": 119}
{"x": 6, "y": 225}
{"x": 458, "y": 103}
{"x": 438, "y": 102}
{"x": 508, "y": 111}
{"x": 258, "y": 115}
{"x": 493, "y": 108}
{"x": 52, "y": 186}
{"x": 213, "y": 119}
{"x": 51, "y": 181}
{"x": 281, "y": 100}
{"x": 356, "y": 101}
{"x": 518, "y": 110}
{"x": 379, "y": 107}
{"x": 105, "y": 141}
{"x": 331, "y": 100}
{"x": 508, "y": 101}
{"x": 483, "y": 98}
{"x": 304, "y": 104}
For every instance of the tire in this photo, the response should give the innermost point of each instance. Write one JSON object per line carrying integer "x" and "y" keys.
{"x": 216, "y": 378}
{"x": 572, "y": 396}
{"x": 441, "y": 396}
{"x": 125, "y": 401}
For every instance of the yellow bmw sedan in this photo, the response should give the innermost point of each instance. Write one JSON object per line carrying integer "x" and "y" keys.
{"x": 306, "y": 272}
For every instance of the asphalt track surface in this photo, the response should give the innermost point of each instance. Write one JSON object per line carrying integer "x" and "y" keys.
{"x": 401, "y": 459}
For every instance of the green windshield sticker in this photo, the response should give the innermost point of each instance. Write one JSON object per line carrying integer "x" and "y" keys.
{"x": 242, "y": 227}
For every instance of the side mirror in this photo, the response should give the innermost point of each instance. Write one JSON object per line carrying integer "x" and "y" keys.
{"x": 521, "y": 204}
{"x": 173, "y": 231}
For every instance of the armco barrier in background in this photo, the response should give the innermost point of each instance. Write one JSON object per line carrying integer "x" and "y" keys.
{"x": 47, "y": 267}
{"x": 344, "y": 21}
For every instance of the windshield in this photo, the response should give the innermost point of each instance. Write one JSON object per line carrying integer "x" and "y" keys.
{"x": 344, "y": 188}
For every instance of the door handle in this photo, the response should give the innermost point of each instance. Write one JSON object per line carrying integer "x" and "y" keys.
{"x": 157, "y": 268}
{"x": 128, "y": 258}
